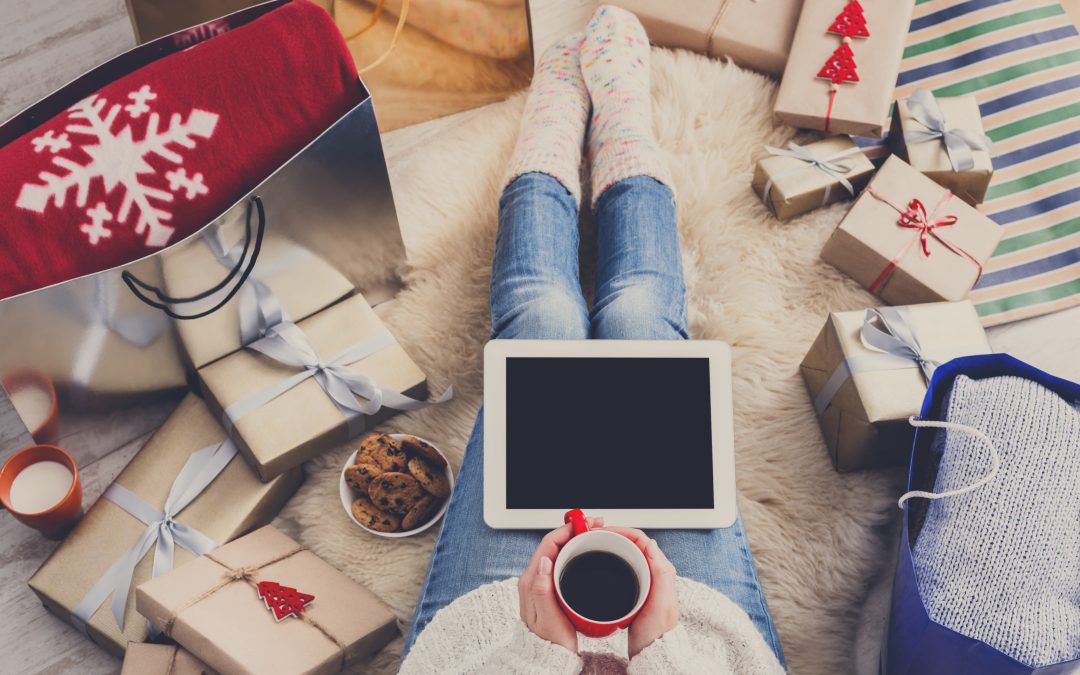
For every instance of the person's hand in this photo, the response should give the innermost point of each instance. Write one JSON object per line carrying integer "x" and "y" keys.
{"x": 660, "y": 613}
{"x": 540, "y": 609}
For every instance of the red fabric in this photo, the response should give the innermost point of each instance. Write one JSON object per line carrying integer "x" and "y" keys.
{"x": 242, "y": 103}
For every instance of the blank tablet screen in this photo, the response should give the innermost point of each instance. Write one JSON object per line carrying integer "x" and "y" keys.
{"x": 608, "y": 433}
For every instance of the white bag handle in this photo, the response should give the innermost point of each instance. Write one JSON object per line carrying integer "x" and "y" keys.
{"x": 995, "y": 460}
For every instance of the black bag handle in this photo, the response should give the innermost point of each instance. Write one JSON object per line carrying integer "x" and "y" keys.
{"x": 163, "y": 302}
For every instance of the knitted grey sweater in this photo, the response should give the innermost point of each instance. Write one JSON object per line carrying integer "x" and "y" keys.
{"x": 1002, "y": 563}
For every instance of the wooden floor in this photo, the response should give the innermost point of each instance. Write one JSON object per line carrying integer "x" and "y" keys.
{"x": 43, "y": 45}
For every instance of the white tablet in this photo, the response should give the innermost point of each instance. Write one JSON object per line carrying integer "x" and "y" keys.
{"x": 639, "y": 432}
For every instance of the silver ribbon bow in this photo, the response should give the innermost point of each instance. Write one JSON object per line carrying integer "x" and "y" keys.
{"x": 287, "y": 344}
{"x": 959, "y": 143}
{"x": 162, "y": 531}
{"x": 899, "y": 346}
{"x": 832, "y": 166}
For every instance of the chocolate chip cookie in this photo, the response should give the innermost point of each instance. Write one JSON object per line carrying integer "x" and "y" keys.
{"x": 421, "y": 513}
{"x": 358, "y": 476}
{"x": 383, "y": 451}
{"x": 395, "y": 492}
{"x": 430, "y": 478}
{"x": 380, "y": 521}
{"x": 415, "y": 447}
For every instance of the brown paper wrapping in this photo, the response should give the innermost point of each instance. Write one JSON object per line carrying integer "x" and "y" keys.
{"x": 302, "y": 282}
{"x": 232, "y": 630}
{"x": 233, "y": 504}
{"x": 152, "y": 19}
{"x": 865, "y": 425}
{"x": 755, "y": 35}
{"x": 931, "y": 159}
{"x": 868, "y": 238}
{"x": 861, "y": 108}
{"x": 799, "y": 188}
{"x": 148, "y": 659}
{"x": 304, "y": 421}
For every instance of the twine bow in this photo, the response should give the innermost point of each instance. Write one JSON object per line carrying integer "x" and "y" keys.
{"x": 890, "y": 330}
{"x": 833, "y": 166}
{"x": 287, "y": 344}
{"x": 915, "y": 217}
{"x": 162, "y": 531}
{"x": 959, "y": 143}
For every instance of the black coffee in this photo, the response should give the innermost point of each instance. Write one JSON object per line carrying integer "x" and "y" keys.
{"x": 600, "y": 586}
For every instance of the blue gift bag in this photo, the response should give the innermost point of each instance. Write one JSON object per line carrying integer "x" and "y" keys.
{"x": 915, "y": 644}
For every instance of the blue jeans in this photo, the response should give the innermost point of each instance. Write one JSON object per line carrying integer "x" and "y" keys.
{"x": 536, "y": 294}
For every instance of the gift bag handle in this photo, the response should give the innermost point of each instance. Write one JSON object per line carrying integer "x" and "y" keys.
{"x": 163, "y": 302}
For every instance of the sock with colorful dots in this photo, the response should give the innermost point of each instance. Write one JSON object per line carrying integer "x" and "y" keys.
{"x": 615, "y": 63}
{"x": 556, "y": 112}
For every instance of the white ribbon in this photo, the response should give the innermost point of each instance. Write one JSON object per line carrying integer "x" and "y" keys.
{"x": 959, "y": 143}
{"x": 899, "y": 347}
{"x": 995, "y": 461}
{"x": 162, "y": 531}
{"x": 287, "y": 344}
{"x": 831, "y": 166}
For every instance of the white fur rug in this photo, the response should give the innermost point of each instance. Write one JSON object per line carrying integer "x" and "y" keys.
{"x": 819, "y": 537}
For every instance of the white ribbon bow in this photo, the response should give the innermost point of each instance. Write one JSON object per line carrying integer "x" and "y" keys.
{"x": 832, "y": 166}
{"x": 959, "y": 143}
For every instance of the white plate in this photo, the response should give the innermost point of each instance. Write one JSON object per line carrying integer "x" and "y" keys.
{"x": 348, "y": 495}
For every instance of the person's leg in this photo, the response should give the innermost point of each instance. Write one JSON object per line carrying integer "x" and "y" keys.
{"x": 535, "y": 294}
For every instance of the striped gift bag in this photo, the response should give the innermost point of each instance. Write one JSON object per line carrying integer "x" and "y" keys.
{"x": 1021, "y": 60}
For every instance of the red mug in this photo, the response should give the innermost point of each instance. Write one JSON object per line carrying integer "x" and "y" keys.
{"x": 55, "y": 521}
{"x": 584, "y": 541}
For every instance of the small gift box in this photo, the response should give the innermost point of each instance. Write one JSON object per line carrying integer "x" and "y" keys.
{"x": 843, "y": 66}
{"x": 149, "y": 659}
{"x": 310, "y": 386}
{"x": 943, "y": 138}
{"x": 755, "y": 35}
{"x": 800, "y": 178}
{"x": 288, "y": 283}
{"x": 867, "y": 373}
{"x": 264, "y": 604}
{"x": 183, "y": 494}
{"x": 909, "y": 240}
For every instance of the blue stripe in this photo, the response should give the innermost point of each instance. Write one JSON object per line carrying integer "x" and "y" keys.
{"x": 1037, "y": 150}
{"x": 1030, "y": 269}
{"x": 1030, "y": 94}
{"x": 1036, "y": 208}
{"x": 948, "y": 13}
{"x": 989, "y": 52}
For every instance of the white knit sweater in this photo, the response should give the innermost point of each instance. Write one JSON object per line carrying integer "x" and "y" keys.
{"x": 482, "y": 632}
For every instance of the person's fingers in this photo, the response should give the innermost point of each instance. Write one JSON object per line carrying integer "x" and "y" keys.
{"x": 542, "y": 597}
{"x": 663, "y": 572}
{"x": 553, "y": 542}
{"x": 640, "y": 539}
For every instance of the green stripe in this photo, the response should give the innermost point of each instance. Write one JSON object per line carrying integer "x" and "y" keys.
{"x": 1010, "y": 73}
{"x": 1033, "y": 180}
{"x": 1022, "y": 126}
{"x": 1031, "y": 298}
{"x": 1037, "y": 237}
{"x": 956, "y": 37}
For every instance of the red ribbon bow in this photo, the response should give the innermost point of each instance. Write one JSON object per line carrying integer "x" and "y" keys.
{"x": 915, "y": 218}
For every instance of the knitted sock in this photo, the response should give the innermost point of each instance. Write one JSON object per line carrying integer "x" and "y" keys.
{"x": 615, "y": 62}
{"x": 556, "y": 112}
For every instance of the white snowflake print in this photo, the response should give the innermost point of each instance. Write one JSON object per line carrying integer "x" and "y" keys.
{"x": 120, "y": 160}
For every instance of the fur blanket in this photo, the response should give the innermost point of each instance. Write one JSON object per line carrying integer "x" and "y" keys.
{"x": 819, "y": 538}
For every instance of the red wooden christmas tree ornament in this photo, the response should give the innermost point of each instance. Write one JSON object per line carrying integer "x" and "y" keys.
{"x": 283, "y": 601}
{"x": 850, "y": 23}
{"x": 840, "y": 67}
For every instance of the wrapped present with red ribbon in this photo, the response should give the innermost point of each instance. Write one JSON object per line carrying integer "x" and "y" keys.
{"x": 845, "y": 57}
{"x": 909, "y": 240}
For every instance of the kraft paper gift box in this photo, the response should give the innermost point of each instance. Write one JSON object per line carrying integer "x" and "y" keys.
{"x": 755, "y": 35}
{"x": 150, "y": 659}
{"x": 943, "y": 138}
{"x": 278, "y": 418}
{"x": 798, "y": 179}
{"x": 213, "y": 606}
{"x": 288, "y": 281}
{"x": 863, "y": 394}
{"x": 909, "y": 241}
{"x": 185, "y": 451}
{"x": 825, "y": 88}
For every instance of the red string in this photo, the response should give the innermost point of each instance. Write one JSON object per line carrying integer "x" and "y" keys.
{"x": 828, "y": 111}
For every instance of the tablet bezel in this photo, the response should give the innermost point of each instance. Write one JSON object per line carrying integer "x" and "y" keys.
{"x": 498, "y": 516}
